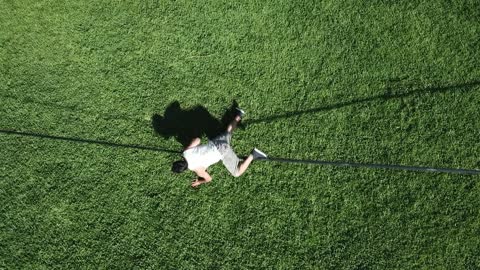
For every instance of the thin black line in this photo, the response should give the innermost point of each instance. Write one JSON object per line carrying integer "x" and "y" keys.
{"x": 376, "y": 166}
{"x": 46, "y": 136}
{"x": 386, "y": 96}
{"x": 283, "y": 160}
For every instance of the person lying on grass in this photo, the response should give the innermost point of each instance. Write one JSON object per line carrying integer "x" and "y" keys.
{"x": 198, "y": 157}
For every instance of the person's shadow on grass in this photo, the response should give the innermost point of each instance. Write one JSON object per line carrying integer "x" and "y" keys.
{"x": 186, "y": 124}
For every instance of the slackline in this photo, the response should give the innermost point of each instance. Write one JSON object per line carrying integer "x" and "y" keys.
{"x": 275, "y": 159}
{"x": 375, "y": 166}
{"x": 89, "y": 141}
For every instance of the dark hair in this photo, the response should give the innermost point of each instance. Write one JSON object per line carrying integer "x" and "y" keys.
{"x": 179, "y": 166}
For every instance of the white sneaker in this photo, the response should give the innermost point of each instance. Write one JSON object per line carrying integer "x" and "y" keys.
{"x": 240, "y": 112}
{"x": 257, "y": 154}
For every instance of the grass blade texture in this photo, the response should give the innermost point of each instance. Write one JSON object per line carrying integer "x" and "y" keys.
{"x": 96, "y": 98}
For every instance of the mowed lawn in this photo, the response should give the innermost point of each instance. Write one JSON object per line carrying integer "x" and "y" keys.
{"x": 389, "y": 82}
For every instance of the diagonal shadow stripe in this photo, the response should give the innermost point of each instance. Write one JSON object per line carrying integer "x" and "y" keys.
{"x": 386, "y": 96}
{"x": 78, "y": 140}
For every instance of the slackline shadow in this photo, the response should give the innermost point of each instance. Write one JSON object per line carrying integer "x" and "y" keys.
{"x": 386, "y": 96}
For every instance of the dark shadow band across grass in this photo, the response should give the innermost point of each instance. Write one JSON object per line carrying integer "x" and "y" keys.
{"x": 386, "y": 96}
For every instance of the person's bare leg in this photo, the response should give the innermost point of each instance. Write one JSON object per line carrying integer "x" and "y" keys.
{"x": 234, "y": 123}
{"x": 244, "y": 165}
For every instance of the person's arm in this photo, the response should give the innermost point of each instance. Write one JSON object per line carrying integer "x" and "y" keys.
{"x": 195, "y": 142}
{"x": 203, "y": 177}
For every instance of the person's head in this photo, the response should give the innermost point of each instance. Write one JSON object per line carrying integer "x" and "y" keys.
{"x": 179, "y": 166}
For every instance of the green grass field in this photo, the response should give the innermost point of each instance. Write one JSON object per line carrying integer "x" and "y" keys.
{"x": 390, "y": 82}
